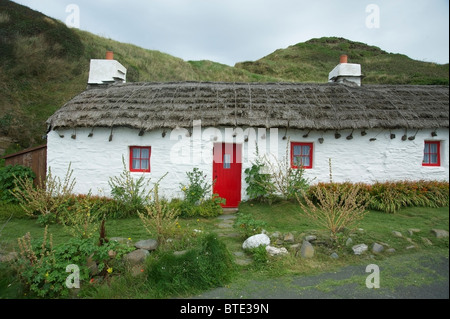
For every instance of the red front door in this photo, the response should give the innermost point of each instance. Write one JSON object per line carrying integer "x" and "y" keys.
{"x": 227, "y": 167}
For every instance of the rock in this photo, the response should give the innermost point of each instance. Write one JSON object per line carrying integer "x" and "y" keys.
{"x": 412, "y": 231}
{"x": 294, "y": 247}
{"x": 137, "y": 256}
{"x": 377, "y": 248}
{"x": 334, "y": 255}
{"x": 112, "y": 254}
{"x": 411, "y": 247}
{"x": 397, "y": 234}
{"x": 311, "y": 238}
{"x": 256, "y": 241}
{"x": 426, "y": 241}
{"x": 274, "y": 251}
{"x": 276, "y": 234}
{"x": 440, "y": 233}
{"x": 289, "y": 238}
{"x": 359, "y": 249}
{"x": 180, "y": 252}
{"x": 307, "y": 250}
{"x": 148, "y": 244}
{"x": 390, "y": 250}
{"x": 349, "y": 242}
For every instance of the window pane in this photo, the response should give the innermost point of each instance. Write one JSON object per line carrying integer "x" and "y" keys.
{"x": 136, "y": 164}
{"x": 305, "y": 161}
{"x": 145, "y": 153}
{"x": 136, "y": 153}
{"x": 144, "y": 164}
{"x": 226, "y": 161}
{"x": 297, "y": 150}
{"x": 433, "y": 159}
{"x": 426, "y": 158}
{"x": 305, "y": 150}
{"x": 433, "y": 148}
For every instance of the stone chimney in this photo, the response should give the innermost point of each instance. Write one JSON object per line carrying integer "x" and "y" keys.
{"x": 347, "y": 73}
{"x": 106, "y": 71}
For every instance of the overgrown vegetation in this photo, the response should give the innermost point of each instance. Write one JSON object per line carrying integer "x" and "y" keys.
{"x": 334, "y": 210}
{"x": 209, "y": 264}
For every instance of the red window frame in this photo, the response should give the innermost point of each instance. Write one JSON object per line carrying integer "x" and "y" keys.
{"x": 310, "y": 155}
{"x": 140, "y": 158}
{"x": 427, "y": 151}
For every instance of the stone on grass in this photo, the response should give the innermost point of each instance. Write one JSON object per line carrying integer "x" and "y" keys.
{"x": 359, "y": 249}
{"x": 148, "y": 244}
{"x": 307, "y": 250}
{"x": 440, "y": 233}
{"x": 289, "y": 238}
{"x": 397, "y": 234}
{"x": 334, "y": 255}
{"x": 390, "y": 250}
{"x": 411, "y": 247}
{"x": 426, "y": 241}
{"x": 137, "y": 256}
{"x": 256, "y": 241}
{"x": 349, "y": 242}
{"x": 377, "y": 248}
{"x": 274, "y": 251}
{"x": 412, "y": 231}
{"x": 310, "y": 238}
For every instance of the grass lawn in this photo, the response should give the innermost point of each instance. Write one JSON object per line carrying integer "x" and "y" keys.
{"x": 283, "y": 217}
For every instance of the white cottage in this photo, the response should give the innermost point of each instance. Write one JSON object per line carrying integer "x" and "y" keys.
{"x": 371, "y": 132}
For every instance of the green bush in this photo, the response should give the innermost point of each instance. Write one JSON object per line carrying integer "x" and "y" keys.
{"x": 206, "y": 266}
{"x": 8, "y": 176}
{"x": 248, "y": 225}
{"x": 389, "y": 197}
{"x": 42, "y": 267}
{"x": 197, "y": 188}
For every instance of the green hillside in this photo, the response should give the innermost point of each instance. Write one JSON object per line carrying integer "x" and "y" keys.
{"x": 43, "y": 64}
{"x": 313, "y": 60}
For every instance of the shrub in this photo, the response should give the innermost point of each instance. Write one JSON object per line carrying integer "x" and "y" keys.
{"x": 132, "y": 195}
{"x": 159, "y": 218}
{"x": 197, "y": 188}
{"x": 335, "y": 209}
{"x": 247, "y": 224}
{"x": 42, "y": 267}
{"x": 206, "y": 266}
{"x": 8, "y": 176}
{"x": 45, "y": 200}
{"x": 281, "y": 179}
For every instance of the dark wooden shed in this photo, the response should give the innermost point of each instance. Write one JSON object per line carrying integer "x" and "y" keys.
{"x": 35, "y": 158}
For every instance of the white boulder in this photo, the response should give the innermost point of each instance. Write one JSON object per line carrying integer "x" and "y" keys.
{"x": 256, "y": 241}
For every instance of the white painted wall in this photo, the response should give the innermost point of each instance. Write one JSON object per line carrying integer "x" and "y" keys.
{"x": 95, "y": 159}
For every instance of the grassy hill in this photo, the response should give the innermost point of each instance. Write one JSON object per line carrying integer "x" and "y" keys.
{"x": 43, "y": 64}
{"x": 313, "y": 60}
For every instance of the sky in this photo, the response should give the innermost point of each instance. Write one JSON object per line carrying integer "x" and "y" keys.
{"x": 231, "y": 31}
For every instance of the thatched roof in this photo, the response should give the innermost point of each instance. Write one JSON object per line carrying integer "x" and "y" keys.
{"x": 329, "y": 106}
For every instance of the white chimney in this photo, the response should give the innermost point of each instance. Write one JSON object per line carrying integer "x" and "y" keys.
{"x": 346, "y": 72}
{"x": 106, "y": 71}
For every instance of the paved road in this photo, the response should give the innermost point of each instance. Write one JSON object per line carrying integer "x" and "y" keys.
{"x": 428, "y": 280}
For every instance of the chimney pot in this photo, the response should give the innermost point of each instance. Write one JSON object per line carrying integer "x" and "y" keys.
{"x": 109, "y": 55}
{"x": 343, "y": 58}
